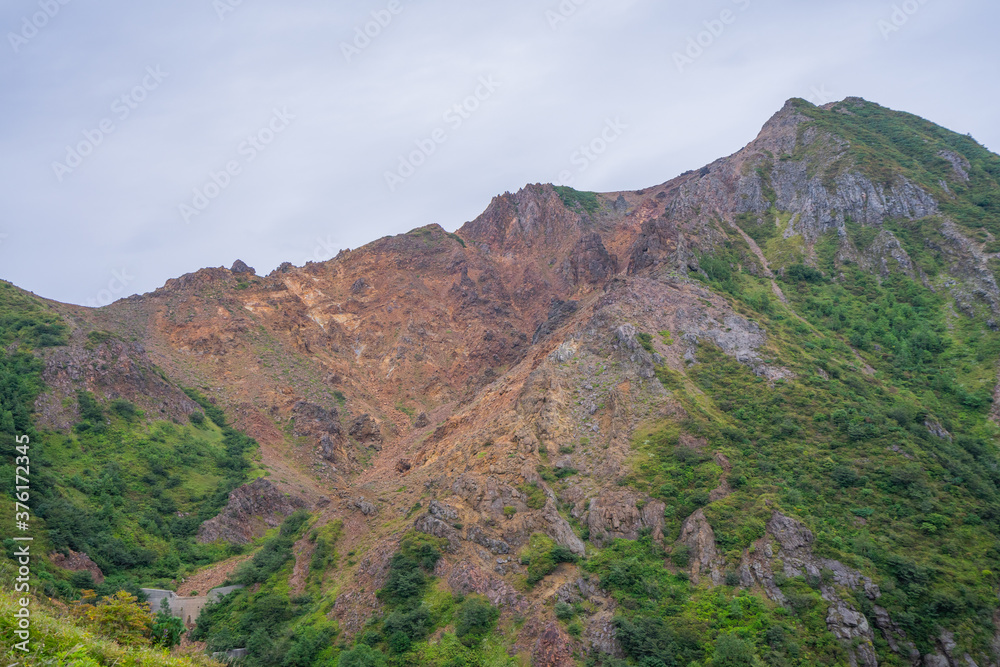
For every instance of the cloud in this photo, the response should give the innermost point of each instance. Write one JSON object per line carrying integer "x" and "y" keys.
{"x": 322, "y": 182}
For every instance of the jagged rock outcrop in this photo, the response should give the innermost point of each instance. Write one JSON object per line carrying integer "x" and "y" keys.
{"x": 241, "y": 268}
{"x": 620, "y": 513}
{"x": 366, "y": 430}
{"x": 699, "y": 539}
{"x": 252, "y": 509}
{"x": 590, "y": 261}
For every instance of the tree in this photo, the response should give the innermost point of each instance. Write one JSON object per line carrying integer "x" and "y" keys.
{"x": 361, "y": 656}
{"x": 123, "y": 618}
{"x": 731, "y": 651}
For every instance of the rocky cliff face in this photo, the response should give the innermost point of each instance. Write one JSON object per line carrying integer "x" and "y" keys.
{"x": 500, "y": 376}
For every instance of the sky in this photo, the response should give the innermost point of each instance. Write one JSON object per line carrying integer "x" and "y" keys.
{"x": 143, "y": 140}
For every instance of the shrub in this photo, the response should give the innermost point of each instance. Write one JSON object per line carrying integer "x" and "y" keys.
{"x": 542, "y": 556}
{"x": 509, "y": 511}
{"x": 731, "y": 651}
{"x": 535, "y": 496}
{"x": 564, "y": 611}
{"x": 123, "y": 618}
{"x": 409, "y": 569}
{"x": 681, "y": 556}
{"x": 475, "y": 619}
{"x": 362, "y": 656}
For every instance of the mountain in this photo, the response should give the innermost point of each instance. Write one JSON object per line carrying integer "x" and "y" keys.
{"x": 743, "y": 417}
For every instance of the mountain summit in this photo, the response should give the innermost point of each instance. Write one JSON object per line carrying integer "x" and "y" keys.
{"x": 743, "y": 417}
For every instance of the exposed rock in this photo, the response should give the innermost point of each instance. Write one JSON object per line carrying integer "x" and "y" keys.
{"x": 311, "y": 418}
{"x": 788, "y": 541}
{"x": 958, "y": 163}
{"x": 403, "y": 465}
{"x": 614, "y": 513}
{"x": 252, "y": 509}
{"x": 552, "y": 648}
{"x": 363, "y": 506}
{"x": 937, "y": 429}
{"x": 240, "y": 267}
{"x": 466, "y": 578}
{"x": 423, "y": 421}
{"x": 359, "y": 286}
{"x": 442, "y": 511}
{"x": 367, "y": 431}
{"x": 559, "y": 312}
{"x": 497, "y": 546}
{"x": 697, "y": 535}
{"x": 431, "y": 525}
{"x": 78, "y": 562}
{"x": 590, "y": 261}
{"x": 852, "y": 628}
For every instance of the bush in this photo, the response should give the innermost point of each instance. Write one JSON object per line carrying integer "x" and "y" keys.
{"x": 564, "y": 611}
{"x": 362, "y": 656}
{"x": 731, "y": 651}
{"x": 123, "y": 618}
{"x": 534, "y": 494}
{"x": 475, "y": 619}
{"x": 409, "y": 569}
{"x": 542, "y": 556}
{"x": 681, "y": 556}
{"x": 124, "y": 409}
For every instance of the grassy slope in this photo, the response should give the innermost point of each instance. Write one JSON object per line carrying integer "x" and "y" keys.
{"x": 129, "y": 493}
{"x": 846, "y": 452}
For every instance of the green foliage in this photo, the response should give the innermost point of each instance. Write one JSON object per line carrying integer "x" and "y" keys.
{"x": 167, "y": 629}
{"x": 646, "y": 340}
{"x": 732, "y": 651}
{"x": 409, "y": 570}
{"x": 587, "y": 202}
{"x": 25, "y": 321}
{"x": 542, "y": 556}
{"x": 803, "y": 273}
{"x": 65, "y": 640}
{"x": 474, "y": 619}
{"x": 274, "y": 553}
{"x": 362, "y": 656}
{"x": 535, "y": 497}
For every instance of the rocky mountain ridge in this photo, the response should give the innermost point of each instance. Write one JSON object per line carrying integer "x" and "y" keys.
{"x": 506, "y": 380}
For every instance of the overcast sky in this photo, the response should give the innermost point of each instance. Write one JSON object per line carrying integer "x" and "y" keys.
{"x": 143, "y": 140}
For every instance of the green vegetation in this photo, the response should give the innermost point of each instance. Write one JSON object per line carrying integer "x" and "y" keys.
{"x": 114, "y": 631}
{"x": 276, "y": 629}
{"x": 542, "y": 556}
{"x": 664, "y": 620}
{"x": 130, "y": 494}
{"x": 587, "y": 202}
{"x": 885, "y": 143}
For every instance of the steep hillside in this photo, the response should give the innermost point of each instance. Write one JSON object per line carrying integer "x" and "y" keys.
{"x": 742, "y": 417}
